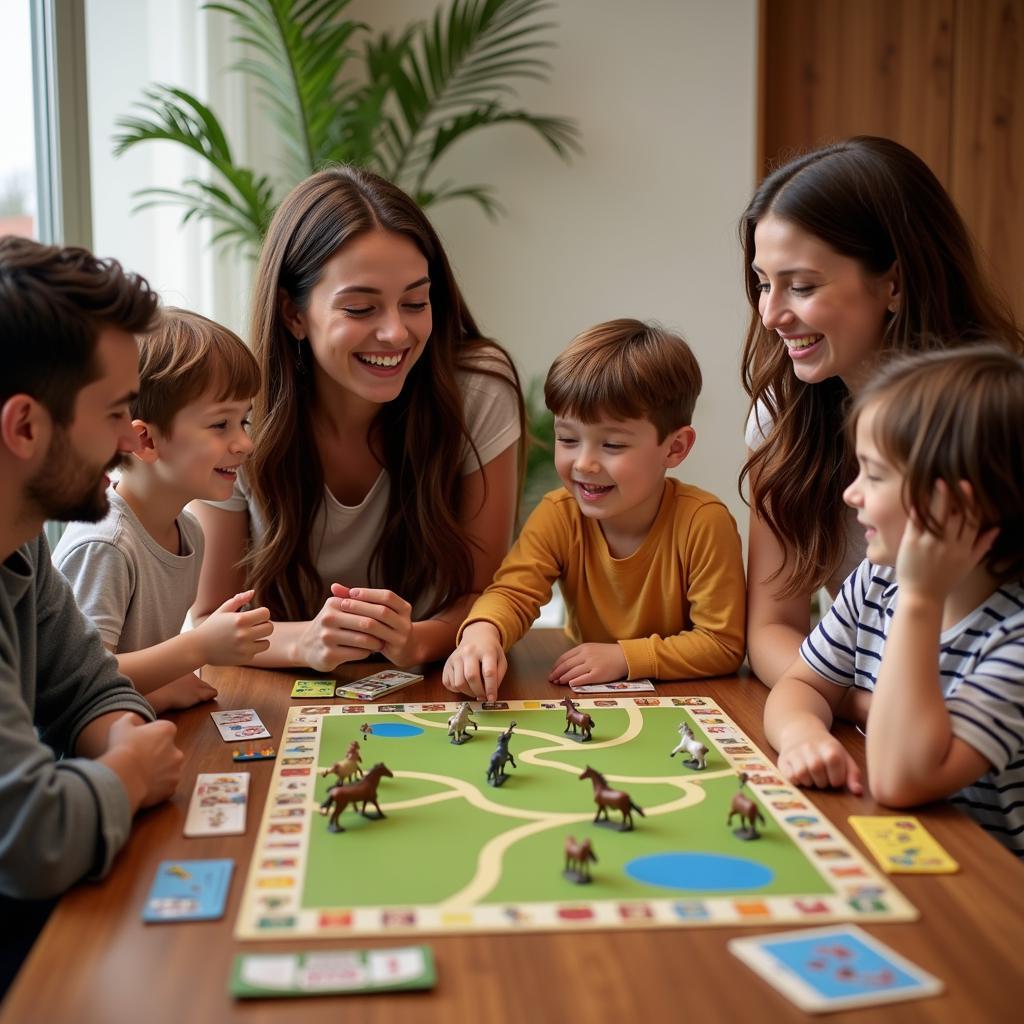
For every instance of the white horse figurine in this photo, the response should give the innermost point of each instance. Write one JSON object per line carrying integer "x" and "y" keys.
{"x": 459, "y": 723}
{"x": 693, "y": 746}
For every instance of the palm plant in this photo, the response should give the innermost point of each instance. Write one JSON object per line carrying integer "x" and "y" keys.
{"x": 393, "y": 103}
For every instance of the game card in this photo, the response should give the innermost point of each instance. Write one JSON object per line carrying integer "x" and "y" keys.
{"x": 323, "y": 972}
{"x": 188, "y": 890}
{"x": 218, "y": 805}
{"x": 314, "y": 688}
{"x": 243, "y": 724}
{"x": 371, "y": 688}
{"x": 834, "y": 968}
{"x": 902, "y": 845}
{"x": 623, "y": 686}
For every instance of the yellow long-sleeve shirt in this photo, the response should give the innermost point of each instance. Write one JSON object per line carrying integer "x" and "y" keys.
{"x": 676, "y": 606}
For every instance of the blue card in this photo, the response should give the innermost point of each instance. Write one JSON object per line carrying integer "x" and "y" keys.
{"x": 833, "y": 968}
{"x": 189, "y": 890}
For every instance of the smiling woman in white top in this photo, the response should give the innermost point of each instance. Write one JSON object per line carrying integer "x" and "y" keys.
{"x": 851, "y": 252}
{"x": 381, "y": 492}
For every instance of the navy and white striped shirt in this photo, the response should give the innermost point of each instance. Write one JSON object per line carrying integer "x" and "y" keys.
{"x": 981, "y": 665}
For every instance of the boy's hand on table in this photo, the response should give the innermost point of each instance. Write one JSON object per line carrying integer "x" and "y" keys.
{"x": 478, "y": 664}
{"x": 930, "y": 567}
{"x": 233, "y": 637}
{"x": 590, "y": 663}
{"x": 820, "y": 761}
{"x": 185, "y": 692}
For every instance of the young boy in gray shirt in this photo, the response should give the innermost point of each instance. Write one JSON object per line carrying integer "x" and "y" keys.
{"x": 136, "y": 573}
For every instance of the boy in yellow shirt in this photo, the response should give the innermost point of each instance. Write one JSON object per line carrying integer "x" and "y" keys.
{"x": 650, "y": 568}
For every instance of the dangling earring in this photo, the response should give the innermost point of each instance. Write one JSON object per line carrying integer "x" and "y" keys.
{"x": 300, "y": 364}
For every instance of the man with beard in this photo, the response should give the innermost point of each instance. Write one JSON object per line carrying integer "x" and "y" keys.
{"x": 80, "y": 751}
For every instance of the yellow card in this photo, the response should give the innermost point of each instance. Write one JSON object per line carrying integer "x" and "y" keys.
{"x": 902, "y": 845}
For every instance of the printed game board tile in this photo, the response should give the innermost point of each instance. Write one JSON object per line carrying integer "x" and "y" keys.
{"x": 756, "y": 908}
{"x": 691, "y": 911}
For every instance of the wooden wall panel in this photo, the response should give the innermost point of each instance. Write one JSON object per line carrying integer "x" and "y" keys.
{"x": 835, "y": 68}
{"x": 987, "y": 179}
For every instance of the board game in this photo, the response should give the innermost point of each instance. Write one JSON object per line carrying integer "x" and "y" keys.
{"x": 454, "y": 853}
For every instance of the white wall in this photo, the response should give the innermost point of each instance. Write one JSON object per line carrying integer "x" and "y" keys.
{"x": 644, "y": 222}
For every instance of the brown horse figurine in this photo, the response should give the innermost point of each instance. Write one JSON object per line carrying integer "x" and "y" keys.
{"x": 574, "y": 718}
{"x": 606, "y": 797}
{"x": 578, "y": 856}
{"x": 750, "y": 814}
{"x": 364, "y": 790}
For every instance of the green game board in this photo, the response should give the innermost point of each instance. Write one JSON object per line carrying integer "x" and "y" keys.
{"x": 456, "y": 854}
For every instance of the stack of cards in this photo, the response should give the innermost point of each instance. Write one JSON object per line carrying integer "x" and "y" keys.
{"x": 188, "y": 890}
{"x": 243, "y": 724}
{"x": 834, "y": 968}
{"x": 380, "y": 684}
{"x": 218, "y": 804}
{"x": 624, "y": 686}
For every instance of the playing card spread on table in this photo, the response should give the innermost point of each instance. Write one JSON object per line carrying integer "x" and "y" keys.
{"x": 902, "y": 845}
{"x": 188, "y": 890}
{"x": 314, "y": 688}
{"x": 623, "y": 686}
{"x": 834, "y": 968}
{"x": 218, "y": 805}
{"x": 243, "y": 724}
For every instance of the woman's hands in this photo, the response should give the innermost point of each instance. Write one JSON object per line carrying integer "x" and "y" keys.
{"x": 354, "y": 623}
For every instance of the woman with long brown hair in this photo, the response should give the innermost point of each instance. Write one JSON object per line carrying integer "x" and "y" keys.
{"x": 380, "y": 495}
{"x": 851, "y": 252}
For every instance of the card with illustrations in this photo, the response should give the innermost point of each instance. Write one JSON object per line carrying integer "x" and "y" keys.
{"x": 623, "y": 686}
{"x": 188, "y": 890}
{"x": 243, "y": 724}
{"x": 314, "y": 688}
{"x": 834, "y": 968}
{"x": 902, "y": 845}
{"x": 218, "y": 805}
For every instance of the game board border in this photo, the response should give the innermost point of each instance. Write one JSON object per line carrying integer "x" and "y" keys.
{"x": 275, "y": 876}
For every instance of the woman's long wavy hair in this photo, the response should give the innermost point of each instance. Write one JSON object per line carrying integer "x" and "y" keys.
{"x": 420, "y": 438}
{"x": 874, "y": 201}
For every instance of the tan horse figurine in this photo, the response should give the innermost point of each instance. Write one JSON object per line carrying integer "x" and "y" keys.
{"x": 574, "y": 717}
{"x": 605, "y": 797}
{"x": 365, "y": 790}
{"x": 578, "y": 856}
{"x": 750, "y": 814}
{"x": 347, "y": 768}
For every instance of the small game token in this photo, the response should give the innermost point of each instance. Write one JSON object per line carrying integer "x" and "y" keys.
{"x": 902, "y": 845}
{"x": 748, "y": 811}
{"x": 218, "y": 804}
{"x": 834, "y": 968}
{"x": 188, "y": 890}
{"x": 332, "y": 972}
{"x": 578, "y": 856}
{"x": 576, "y": 719}
{"x": 693, "y": 747}
{"x": 502, "y": 755}
{"x": 243, "y": 724}
{"x": 459, "y": 723}
{"x": 259, "y": 754}
{"x": 315, "y": 689}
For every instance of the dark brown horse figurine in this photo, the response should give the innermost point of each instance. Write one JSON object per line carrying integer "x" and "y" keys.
{"x": 578, "y": 856}
{"x": 606, "y": 797}
{"x": 574, "y": 718}
{"x": 750, "y": 814}
{"x": 364, "y": 790}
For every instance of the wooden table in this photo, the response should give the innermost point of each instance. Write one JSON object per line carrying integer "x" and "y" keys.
{"x": 97, "y": 962}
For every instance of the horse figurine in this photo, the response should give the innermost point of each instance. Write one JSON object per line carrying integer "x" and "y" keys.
{"x": 606, "y": 797}
{"x": 578, "y": 856}
{"x": 459, "y": 723}
{"x": 365, "y": 790}
{"x": 366, "y": 729}
{"x": 574, "y": 718}
{"x": 750, "y": 814}
{"x": 692, "y": 745}
{"x": 496, "y": 769}
{"x": 345, "y": 769}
